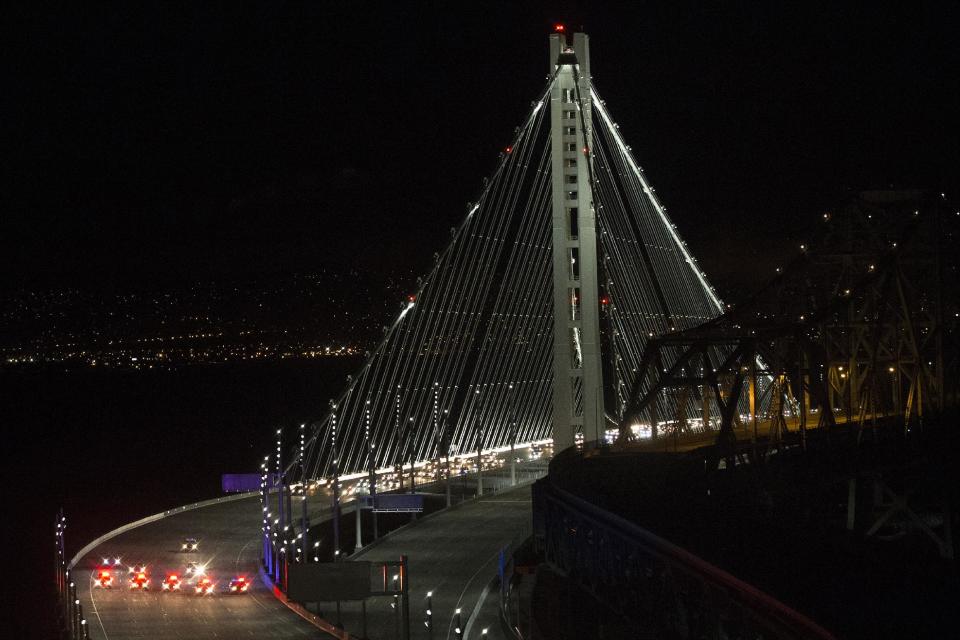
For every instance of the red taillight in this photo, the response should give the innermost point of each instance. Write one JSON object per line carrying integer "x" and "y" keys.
{"x": 559, "y": 28}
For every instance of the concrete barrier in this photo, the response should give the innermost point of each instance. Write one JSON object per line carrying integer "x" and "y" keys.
{"x": 300, "y": 610}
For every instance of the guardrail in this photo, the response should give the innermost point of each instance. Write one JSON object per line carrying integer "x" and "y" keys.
{"x": 69, "y": 611}
{"x": 509, "y": 617}
{"x": 652, "y": 581}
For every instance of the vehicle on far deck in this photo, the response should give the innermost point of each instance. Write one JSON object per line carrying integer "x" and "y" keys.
{"x": 103, "y": 578}
{"x": 240, "y": 584}
{"x": 205, "y": 585}
{"x": 140, "y": 580}
{"x": 171, "y": 582}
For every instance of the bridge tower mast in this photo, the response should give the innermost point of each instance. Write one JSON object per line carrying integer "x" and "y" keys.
{"x": 576, "y": 303}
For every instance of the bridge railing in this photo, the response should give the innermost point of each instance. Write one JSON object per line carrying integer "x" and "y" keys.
{"x": 652, "y": 581}
{"x": 509, "y": 606}
{"x": 69, "y": 611}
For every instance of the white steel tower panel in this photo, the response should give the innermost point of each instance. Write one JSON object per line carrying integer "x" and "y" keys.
{"x": 576, "y": 352}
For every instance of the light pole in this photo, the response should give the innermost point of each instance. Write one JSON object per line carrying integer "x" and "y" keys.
{"x": 71, "y": 607}
{"x": 447, "y": 447}
{"x": 405, "y": 596}
{"x": 372, "y": 473}
{"x": 304, "y": 522}
{"x": 396, "y": 608}
{"x": 412, "y": 454}
{"x": 478, "y": 428}
{"x": 264, "y": 504}
{"x": 280, "y": 496}
{"x": 479, "y": 461}
{"x": 336, "y": 482}
{"x": 513, "y": 441}
{"x": 358, "y": 542}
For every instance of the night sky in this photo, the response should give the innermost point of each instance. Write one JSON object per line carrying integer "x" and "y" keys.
{"x": 148, "y": 143}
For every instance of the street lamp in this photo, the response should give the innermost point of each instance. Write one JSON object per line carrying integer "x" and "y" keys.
{"x": 396, "y": 608}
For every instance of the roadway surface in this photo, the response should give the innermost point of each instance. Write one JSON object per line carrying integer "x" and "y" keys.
{"x": 452, "y": 552}
{"x": 229, "y": 542}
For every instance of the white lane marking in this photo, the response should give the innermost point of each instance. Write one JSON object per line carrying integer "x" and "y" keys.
{"x": 252, "y": 593}
{"x": 236, "y": 565}
{"x": 476, "y": 610}
{"x": 467, "y": 586}
{"x": 93, "y": 602}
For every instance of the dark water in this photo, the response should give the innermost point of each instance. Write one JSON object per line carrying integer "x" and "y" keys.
{"x": 111, "y": 447}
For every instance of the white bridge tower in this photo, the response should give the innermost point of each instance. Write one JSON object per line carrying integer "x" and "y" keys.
{"x": 577, "y": 370}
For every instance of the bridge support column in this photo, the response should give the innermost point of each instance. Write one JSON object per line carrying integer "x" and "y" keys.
{"x": 577, "y": 373}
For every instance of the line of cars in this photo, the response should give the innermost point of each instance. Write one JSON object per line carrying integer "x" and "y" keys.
{"x": 194, "y": 576}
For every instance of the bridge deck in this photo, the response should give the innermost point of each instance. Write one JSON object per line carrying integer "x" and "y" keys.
{"x": 229, "y": 539}
{"x": 452, "y": 553}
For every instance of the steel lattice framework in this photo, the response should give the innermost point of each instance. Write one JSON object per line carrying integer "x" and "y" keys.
{"x": 467, "y": 363}
{"x": 852, "y": 329}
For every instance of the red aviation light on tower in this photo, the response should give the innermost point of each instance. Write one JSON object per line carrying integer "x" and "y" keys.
{"x": 509, "y": 149}
{"x": 412, "y": 298}
{"x": 559, "y": 28}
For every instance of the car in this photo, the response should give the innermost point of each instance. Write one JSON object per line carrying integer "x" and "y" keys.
{"x": 103, "y": 578}
{"x": 205, "y": 585}
{"x": 189, "y": 545}
{"x": 140, "y": 580}
{"x": 193, "y": 569}
{"x": 115, "y": 563}
{"x": 137, "y": 568}
{"x": 239, "y": 584}
{"x": 171, "y": 582}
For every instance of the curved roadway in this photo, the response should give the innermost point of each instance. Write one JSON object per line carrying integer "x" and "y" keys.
{"x": 452, "y": 552}
{"x": 229, "y": 543}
